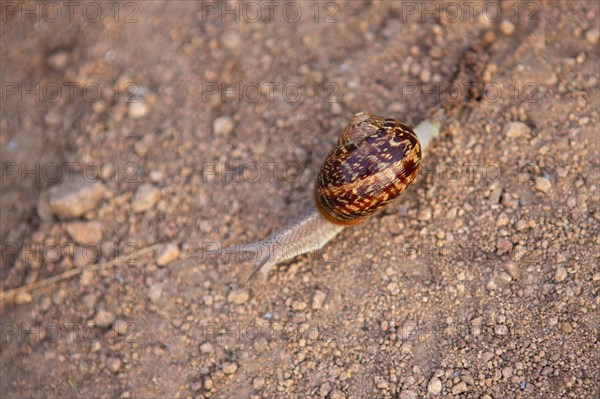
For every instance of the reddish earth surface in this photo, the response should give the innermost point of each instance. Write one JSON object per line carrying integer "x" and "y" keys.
{"x": 129, "y": 124}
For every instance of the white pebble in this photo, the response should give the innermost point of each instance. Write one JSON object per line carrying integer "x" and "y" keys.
{"x": 223, "y": 125}
{"x": 145, "y": 198}
{"x": 516, "y": 129}
{"x": 435, "y": 386}
{"x": 507, "y": 27}
{"x": 138, "y": 109}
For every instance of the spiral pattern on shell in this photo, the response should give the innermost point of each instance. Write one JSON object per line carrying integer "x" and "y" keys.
{"x": 373, "y": 163}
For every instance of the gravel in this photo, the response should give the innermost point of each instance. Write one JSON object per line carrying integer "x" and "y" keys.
{"x": 560, "y": 274}
{"x": 145, "y": 198}
{"x": 514, "y": 130}
{"x": 543, "y": 185}
{"x": 507, "y": 27}
{"x": 74, "y": 197}
{"x": 85, "y": 232}
{"x": 104, "y": 318}
{"x": 318, "y": 300}
{"x": 592, "y": 36}
{"x": 155, "y": 292}
{"x": 434, "y": 386}
{"x": 222, "y": 126}
{"x": 459, "y": 388}
{"x": 239, "y": 296}
{"x": 167, "y": 254}
{"x": 456, "y": 281}
{"x": 113, "y": 364}
{"x": 229, "y": 368}
{"x": 138, "y": 109}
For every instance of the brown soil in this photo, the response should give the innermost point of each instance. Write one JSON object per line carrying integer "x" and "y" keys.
{"x": 481, "y": 281}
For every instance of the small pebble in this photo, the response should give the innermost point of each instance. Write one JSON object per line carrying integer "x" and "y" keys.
{"x": 592, "y": 36}
{"x": 206, "y": 347}
{"x": 156, "y": 176}
{"x": 512, "y": 269}
{"x": 560, "y": 274}
{"x": 503, "y": 220}
{"x": 229, "y": 368}
{"x": 258, "y": 383}
{"x": 503, "y": 246}
{"x": 298, "y": 305}
{"x": 383, "y": 384}
{"x": 337, "y": 394}
{"x": 113, "y": 364}
{"x": 543, "y": 185}
{"x": 104, "y": 318}
{"x": 58, "y": 60}
{"x": 507, "y": 27}
{"x": 435, "y": 386}
{"x": 408, "y": 394}
{"x": 231, "y": 39}
{"x": 74, "y": 197}
{"x": 53, "y": 119}
{"x": 169, "y": 253}
{"x": 336, "y": 108}
{"x": 120, "y": 326}
{"x": 425, "y": 214}
{"x": 324, "y": 389}
{"x": 501, "y": 329}
{"x": 566, "y": 327}
{"x": 425, "y": 75}
{"x": 522, "y": 225}
{"x": 155, "y": 292}
{"x": 514, "y": 130}
{"x": 222, "y": 126}
{"x": 145, "y": 197}
{"x": 85, "y": 232}
{"x": 238, "y": 296}
{"x": 318, "y": 299}
{"x": 137, "y": 109}
{"x": 393, "y": 288}
{"x": 459, "y": 388}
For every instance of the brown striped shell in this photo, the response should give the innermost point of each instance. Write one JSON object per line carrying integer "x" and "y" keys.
{"x": 373, "y": 163}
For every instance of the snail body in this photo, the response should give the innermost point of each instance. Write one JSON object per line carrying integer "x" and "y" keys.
{"x": 375, "y": 159}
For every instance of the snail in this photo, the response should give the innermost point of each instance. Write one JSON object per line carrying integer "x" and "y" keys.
{"x": 375, "y": 159}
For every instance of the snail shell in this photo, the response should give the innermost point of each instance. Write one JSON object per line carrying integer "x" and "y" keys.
{"x": 373, "y": 163}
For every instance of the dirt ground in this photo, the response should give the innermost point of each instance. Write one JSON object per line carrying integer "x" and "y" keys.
{"x": 480, "y": 281}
